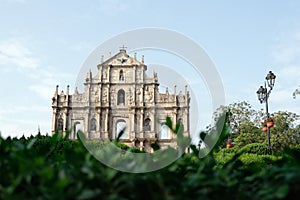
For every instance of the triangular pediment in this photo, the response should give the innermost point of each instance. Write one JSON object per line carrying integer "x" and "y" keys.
{"x": 121, "y": 58}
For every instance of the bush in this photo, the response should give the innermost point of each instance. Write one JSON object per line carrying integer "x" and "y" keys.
{"x": 56, "y": 168}
{"x": 254, "y": 148}
{"x": 255, "y": 159}
{"x": 224, "y": 155}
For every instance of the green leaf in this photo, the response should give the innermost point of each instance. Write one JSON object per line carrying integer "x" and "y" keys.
{"x": 120, "y": 134}
{"x": 169, "y": 123}
{"x": 30, "y": 144}
{"x": 88, "y": 194}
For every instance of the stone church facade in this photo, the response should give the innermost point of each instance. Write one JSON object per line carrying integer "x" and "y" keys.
{"x": 120, "y": 96}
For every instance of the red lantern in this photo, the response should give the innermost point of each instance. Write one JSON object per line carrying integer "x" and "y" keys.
{"x": 270, "y": 122}
{"x": 264, "y": 129}
{"x": 228, "y": 144}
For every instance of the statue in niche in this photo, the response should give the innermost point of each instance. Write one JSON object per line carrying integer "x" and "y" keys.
{"x": 148, "y": 95}
{"x": 167, "y": 95}
{"x": 97, "y": 95}
{"x": 139, "y": 95}
{"x": 180, "y": 97}
{"x": 113, "y": 92}
{"x": 105, "y": 74}
{"x": 105, "y": 95}
{"x": 138, "y": 77}
{"x": 130, "y": 97}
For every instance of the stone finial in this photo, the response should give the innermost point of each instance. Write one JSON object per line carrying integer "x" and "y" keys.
{"x": 134, "y": 56}
{"x": 155, "y": 76}
{"x": 186, "y": 90}
{"x": 76, "y": 90}
{"x": 167, "y": 90}
{"x": 109, "y": 54}
{"x": 175, "y": 90}
{"x": 56, "y": 91}
{"x": 102, "y": 58}
{"x": 67, "y": 92}
{"x": 89, "y": 75}
{"x": 143, "y": 59}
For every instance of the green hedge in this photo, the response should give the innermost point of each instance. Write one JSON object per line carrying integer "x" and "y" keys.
{"x": 44, "y": 167}
{"x": 254, "y": 148}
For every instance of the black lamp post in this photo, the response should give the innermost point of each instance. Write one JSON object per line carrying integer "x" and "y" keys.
{"x": 263, "y": 94}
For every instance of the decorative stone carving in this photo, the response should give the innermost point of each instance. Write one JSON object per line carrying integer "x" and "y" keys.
{"x": 105, "y": 74}
{"x": 148, "y": 95}
{"x": 139, "y": 95}
{"x": 122, "y": 60}
{"x": 181, "y": 98}
{"x": 131, "y": 101}
{"x": 138, "y": 75}
{"x": 105, "y": 95}
{"x": 113, "y": 97}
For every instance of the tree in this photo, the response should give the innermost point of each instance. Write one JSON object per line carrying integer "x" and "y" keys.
{"x": 246, "y": 126}
{"x": 285, "y": 132}
{"x": 296, "y": 92}
{"x": 241, "y": 113}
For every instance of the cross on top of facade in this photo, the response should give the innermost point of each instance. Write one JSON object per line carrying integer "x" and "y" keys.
{"x": 123, "y": 48}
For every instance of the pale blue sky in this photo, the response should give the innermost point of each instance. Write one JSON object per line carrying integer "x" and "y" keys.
{"x": 44, "y": 43}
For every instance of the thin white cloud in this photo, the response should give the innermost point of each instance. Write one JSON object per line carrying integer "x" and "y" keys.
{"x": 291, "y": 72}
{"x": 17, "y": 120}
{"x": 13, "y": 109}
{"x": 20, "y": 117}
{"x": 112, "y": 7}
{"x": 285, "y": 55}
{"x": 46, "y": 81}
{"x": 44, "y": 91}
{"x": 280, "y": 96}
{"x": 15, "y": 54}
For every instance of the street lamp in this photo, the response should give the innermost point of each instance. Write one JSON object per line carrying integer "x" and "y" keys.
{"x": 263, "y": 94}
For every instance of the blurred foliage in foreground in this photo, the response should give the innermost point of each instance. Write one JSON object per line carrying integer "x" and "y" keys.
{"x": 44, "y": 167}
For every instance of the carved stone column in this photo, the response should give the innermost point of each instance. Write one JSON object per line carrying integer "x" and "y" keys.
{"x": 65, "y": 118}
{"x": 141, "y": 145}
{"x": 141, "y": 123}
{"x": 54, "y": 121}
{"x": 132, "y": 124}
{"x": 98, "y": 119}
{"x": 106, "y": 124}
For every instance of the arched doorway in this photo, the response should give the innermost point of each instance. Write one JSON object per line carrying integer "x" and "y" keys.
{"x": 121, "y": 126}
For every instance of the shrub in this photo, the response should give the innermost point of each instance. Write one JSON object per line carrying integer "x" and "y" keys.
{"x": 254, "y": 148}
{"x": 56, "y": 168}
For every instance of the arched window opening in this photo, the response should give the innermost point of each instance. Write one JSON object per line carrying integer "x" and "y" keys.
{"x": 164, "y": 131}
{"x": 121, "y": 75}
{"x": 121, "y": 97}
{"x": 147, "y": 124}
{"x": 93, "y": 125}
{"x": 137, "y": 143}
{"x": 121, "y": 126}
{"x": 180, "y": 121}
{"x": 60, "y": 124}
{"x": 77, "y": 127}
{"x": 146, "y": 146}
